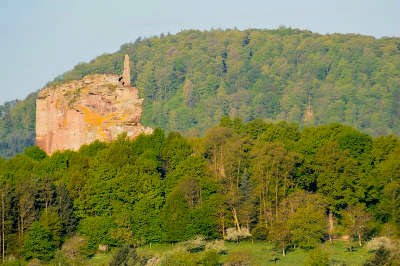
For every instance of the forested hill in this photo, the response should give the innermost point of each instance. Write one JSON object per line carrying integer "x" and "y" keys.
{"x": 17, "y": 126}
{"x": 192, "y": 79}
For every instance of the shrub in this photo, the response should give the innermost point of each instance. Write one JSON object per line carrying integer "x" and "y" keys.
{"x": 181, "y": 258}
{"x": 218, "y": 245}
{"x": 125, "y": 256}
{"x": 317, "y": 257}
{"x": 239, "y": 258}
{"x": 210, "y": 258}
{"x": 75, "y": 249}
{"x": 377, "y": 242}
{"x": 232, "y": 234}
{"x": 35, "y": 262}
{"x": 195, "y": 245}
{"x": 260, "y": 232}
{"x": 381, "y": 257}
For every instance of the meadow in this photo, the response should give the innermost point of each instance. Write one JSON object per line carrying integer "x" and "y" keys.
{"x": 260, "y": 252}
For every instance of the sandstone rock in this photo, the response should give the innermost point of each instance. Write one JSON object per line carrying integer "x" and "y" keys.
{"x": 79, "y": 112}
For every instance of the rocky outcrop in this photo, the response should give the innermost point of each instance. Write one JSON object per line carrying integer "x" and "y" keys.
{"x": 97, "y": 107}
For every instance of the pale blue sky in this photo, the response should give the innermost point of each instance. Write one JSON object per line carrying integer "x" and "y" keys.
{"x": 41, "y": 39}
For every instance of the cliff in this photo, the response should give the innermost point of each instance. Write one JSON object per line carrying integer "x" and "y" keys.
{"x": 97, "y": 107}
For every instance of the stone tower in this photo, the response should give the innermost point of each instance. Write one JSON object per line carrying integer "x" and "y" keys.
{"x": 126, "y": 75}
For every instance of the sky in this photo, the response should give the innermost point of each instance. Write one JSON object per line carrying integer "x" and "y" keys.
{"x": 41, "y": 39}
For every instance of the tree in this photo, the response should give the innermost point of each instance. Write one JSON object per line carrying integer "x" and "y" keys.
{"x": 26, "y": 205}
{"x": 280, "y": 233}
{"x": 175, "y": 218}
{"x": 317, "y": 257}
{"x": 271, "y": 168}
{"x": 98, "y": 231}
{"x": 356, "y": 220}
{"x": 5, "y": 211}
{"x": 337, "y": 179}
{"x": 301, "y": 221}
{"x": 38, "y": 243}
{"x": 307, "y": 223}
{"x": 187, "y": 91}
{"x": 52, "y": 222}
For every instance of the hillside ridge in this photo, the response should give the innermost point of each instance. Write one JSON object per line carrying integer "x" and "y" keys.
{"x": 192, "y": 79}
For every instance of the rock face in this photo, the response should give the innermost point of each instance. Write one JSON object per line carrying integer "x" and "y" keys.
{"x": 97, "y": 107}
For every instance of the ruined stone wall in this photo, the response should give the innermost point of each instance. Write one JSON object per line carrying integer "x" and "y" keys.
{"x": 79, "y": 112}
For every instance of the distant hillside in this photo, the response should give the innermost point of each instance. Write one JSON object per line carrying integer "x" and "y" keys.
{"x": 17, "y": 126}
{"x": 194, "y": 78}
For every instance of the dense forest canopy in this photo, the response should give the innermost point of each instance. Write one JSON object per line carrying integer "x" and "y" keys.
{"x": 269, "y": 181}
{"x": 192, "y": 79}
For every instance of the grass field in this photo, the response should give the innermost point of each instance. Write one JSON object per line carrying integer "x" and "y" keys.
{"x": 261, "y": 252}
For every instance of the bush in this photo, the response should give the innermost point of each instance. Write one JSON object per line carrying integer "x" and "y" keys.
{"x": 195, "y": 245}
{"x": 317, "y": 257}
{"x": 239, "y": 258}
{"x": 217, "y": 245}
{"x": 260, "y": 232}
{"x": 34, "y": 262}
{"x": 125, "y": 256}
{"x": 210, "y": 258}
{"x": 232, "y": 234}
{"x": 76, "y": 249}
{"x": 181, "y": 258}
{"x": 377, "y": 242}
{"x": 381, "y": 257}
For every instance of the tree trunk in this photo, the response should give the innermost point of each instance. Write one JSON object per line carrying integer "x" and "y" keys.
{"x": 276, "y": 199}
{"x": 222, "y": 218}
{"x": 3, "y": 235}
{"x": 235, "y": 218}
{"x": 283, "y": 251}
{"x": 330, "y": 217}
{"x": 359, "y": 239}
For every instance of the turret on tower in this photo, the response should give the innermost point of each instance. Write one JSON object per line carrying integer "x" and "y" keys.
{"x": 125, "y": 80}
{"x": 127, "y": 72}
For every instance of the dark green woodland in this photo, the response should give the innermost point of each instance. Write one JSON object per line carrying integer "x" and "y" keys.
{"x": 266, "y": 181}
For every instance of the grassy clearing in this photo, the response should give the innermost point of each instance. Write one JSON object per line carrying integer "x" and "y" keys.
{"x": 262, "y": 253}
{"x": 101, "y": 259}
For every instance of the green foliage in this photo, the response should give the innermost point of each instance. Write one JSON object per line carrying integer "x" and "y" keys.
{"x": 338, "y": 176}
{"x": 257, "y": 180}
{"x": 125, "y": 256}
{"x": 317, "y": 257}
{"x": 381, "y": 257}
{"x": 51, "y": 221}
{"x": 181, "y": 258}
{"x": 175, "y": 218}
{"x": 308, "y": 226}
{"x": 35, "y": 153}
{"x": 17, "y": 125}
{"x": 210, "y": 258}
{"x": 97, "y": 230}
{"x": 239, "y": 258}
{"x": 38, "y": 243}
